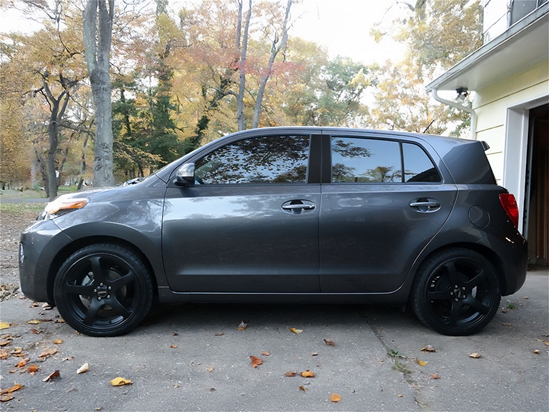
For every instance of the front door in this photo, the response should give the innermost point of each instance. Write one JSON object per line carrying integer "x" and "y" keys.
{"x": 250, "y": 222}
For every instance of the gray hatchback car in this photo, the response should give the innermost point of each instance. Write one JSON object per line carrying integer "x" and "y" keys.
{"x": 292, "y": 214}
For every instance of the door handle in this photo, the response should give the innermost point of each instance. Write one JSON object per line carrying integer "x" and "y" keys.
{"x": 298, "y": 206}
{"x": 425, "y": 205}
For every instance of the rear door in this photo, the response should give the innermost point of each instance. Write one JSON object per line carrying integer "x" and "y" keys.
{"x": 250, "y": 222}
{"x": 384, "y": 203}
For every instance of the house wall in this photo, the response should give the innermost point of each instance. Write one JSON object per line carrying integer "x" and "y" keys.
{"x": 502, "y": 110}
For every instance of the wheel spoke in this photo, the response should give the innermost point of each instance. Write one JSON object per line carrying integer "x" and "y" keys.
{"x": 84, "y": 290}
{"x": 97, "y": 270}
{"x": 92, "y": 311}
{"x": 119, "y": 308}
{"x": 452, "y": 272}
{"x": 476, "y": 281}
{"x": 454, "y": 313}
{"x": 477, "y": 305}
{"x": 439, "y": 295}
{"x": 121, "y": 282}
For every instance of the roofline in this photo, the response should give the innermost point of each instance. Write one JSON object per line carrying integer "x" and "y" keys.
{"x": 490, "y": 48}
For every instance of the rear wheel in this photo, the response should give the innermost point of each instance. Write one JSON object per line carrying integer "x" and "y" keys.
{"x": 103, "y": 290}
{"x": 456, "y": 292}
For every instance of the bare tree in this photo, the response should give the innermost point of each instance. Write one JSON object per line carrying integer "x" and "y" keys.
{"x": 279, "y": 43}
{"x": 98, "y": 22}
{"x": 243, "y": 55}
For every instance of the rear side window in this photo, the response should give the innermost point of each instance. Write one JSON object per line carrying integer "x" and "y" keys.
{"x": 357, "y": 160}
{"x": 268, "y": 159}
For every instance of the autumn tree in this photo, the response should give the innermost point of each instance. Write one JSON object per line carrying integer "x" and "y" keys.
{"x": 438, "y": 34}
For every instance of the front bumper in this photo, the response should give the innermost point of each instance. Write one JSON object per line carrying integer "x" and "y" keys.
{"x": 38, "y": 247}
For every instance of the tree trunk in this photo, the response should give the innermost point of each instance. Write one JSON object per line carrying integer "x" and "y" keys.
{"x": 98, "y": 20}
{"x": 242, "y": 65}
{"x": 275, "y": 49}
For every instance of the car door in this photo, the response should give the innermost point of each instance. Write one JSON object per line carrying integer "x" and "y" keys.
{"x": 385, "y": 202}
{"x": 250, "y": 221}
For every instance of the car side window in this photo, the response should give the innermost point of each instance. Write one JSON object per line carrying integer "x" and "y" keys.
{"x": 418, "y": 167}
{"x": 266, "y": 159}
{"x": 356, "y": 160}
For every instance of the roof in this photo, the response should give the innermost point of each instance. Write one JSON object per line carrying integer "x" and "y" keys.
{"x": 522, "y": 45}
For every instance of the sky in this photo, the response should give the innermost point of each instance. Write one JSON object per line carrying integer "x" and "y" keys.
{"x": 342, "y": 26}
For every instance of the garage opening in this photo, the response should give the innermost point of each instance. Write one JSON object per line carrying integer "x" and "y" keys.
{"x": 536, "y": 216}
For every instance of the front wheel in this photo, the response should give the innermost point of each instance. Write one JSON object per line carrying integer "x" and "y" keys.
{"x": 103, "y": 290}
{"x": 456, "y": 292}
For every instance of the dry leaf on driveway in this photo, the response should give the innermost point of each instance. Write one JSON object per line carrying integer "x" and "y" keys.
{"x": 308, "y": 374}
{"x": 243, "y": 325}
{"x": 296, "y": 331}
{"x": 334, "y": 397}
{"x": 120, "y": 381}
{"x": 83, "y": 369}
{"x": 256, "y": 361}
{"x": 51, "y": 376}
{"x": 428, "y": 348}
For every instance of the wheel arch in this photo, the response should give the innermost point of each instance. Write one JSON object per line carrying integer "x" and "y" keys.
{"x": 484, "y": 251}
{"x": 78, "y": 244}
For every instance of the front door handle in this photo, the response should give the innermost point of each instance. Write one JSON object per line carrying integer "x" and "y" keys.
{"x": 425, "y": 205}
{"x": 297, "y": 206}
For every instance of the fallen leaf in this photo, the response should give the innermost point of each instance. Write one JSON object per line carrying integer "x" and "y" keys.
{"x": 120, "y": 382}
{"x": 4, "y": 354}
{"x": 219, "y": 333}
{"x": 308, "y": 374}
{"x": 173, "y": 346}
{"x": 536, "y": 351}
{"x": 6, "y": 398}
{"x": 5, "y": 342}
{"x": 428, "y": 348}
{"x": 256, "y": 361}
{"x": 34, "y": 321}
{"x": 435, "y": 376}
{"x": 52, "y": 376}
{"x": 11, "y": 389}
{"x": 265, "y": 353}
{"x": 59, "y": 321}
{"x": 33, "y": 368}
{"x": 329, "y": 342}
{"x": 503, "y": 310}
{"x": 83, "y": 369}
{"x": 475, "y": 355}
{"x": 421, "y": 363}
{"x": 22, "y": 363}
{"x": 67, "y": 358}
{"x": 296, "y": 331}
{"x": 243, "y": 325}
{"x": 314, "y": 354}
{"x": 4, "y": 325}
{"x": 303, "y": 388}
{"x": 36, "y": 331}
{"x": 546, "y": 343}
{"x": 400, "y": 395}
{"x": 47, "y": 353}
{"x": 290, "y": 374}
{"x": 210, "y": 369}
{"x": 334, "y": 397}
{"x": 57, "y": 341}
{"x": 175, "y": 334}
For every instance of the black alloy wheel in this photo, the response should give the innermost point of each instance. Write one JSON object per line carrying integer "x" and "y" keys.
{"x": 103, "y": 290}
{"x": 456, "y": 292}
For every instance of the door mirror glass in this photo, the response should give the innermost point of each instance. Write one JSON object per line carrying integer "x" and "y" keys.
{"x": 185, "y": 175}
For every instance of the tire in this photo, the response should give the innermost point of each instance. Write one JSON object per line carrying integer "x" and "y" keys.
{"x": 103, "y": 290}
{"x": 456, "y": 292}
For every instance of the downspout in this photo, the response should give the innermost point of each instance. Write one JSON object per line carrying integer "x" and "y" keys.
{"x": 456, "y": 105}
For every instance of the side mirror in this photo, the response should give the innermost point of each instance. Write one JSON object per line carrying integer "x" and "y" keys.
{"x": 185, "y": 175}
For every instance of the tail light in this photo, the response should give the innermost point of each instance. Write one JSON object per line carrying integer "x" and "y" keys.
{"x": 509, "y": 204}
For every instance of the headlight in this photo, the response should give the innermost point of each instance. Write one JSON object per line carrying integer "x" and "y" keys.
{"x": 64, "y": 204}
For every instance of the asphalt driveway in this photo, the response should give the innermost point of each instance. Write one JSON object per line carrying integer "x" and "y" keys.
{"x": 193, "y": 357}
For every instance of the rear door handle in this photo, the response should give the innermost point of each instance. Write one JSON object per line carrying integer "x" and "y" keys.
{"x": 425, "y": 205}
{"x": 298, "y": 206}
